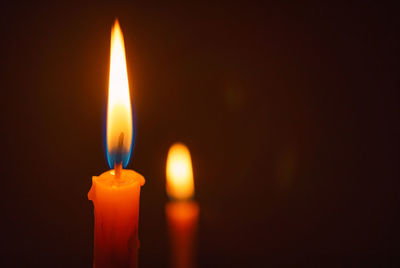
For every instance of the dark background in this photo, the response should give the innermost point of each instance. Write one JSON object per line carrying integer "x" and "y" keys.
{"x": 290, "y": 112}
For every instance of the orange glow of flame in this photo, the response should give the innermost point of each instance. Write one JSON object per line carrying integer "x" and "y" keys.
{"x": 119, "y": 111}
{"x": 179, "y": 171}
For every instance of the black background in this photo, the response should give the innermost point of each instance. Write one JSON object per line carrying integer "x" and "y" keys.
{"x": 290, "y": 112}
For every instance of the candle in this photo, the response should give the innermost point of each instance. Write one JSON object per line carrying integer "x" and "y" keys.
{"x": 115, "y": 193}
{"x": 181, "y": 212}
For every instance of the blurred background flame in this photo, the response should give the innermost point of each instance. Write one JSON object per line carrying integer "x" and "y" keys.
{"x": 179, "y": 172}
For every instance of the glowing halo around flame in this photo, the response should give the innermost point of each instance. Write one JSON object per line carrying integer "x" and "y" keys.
{"x": 120, "y": 134}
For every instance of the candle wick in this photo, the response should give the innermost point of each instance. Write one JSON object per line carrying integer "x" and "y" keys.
{"x": 118, "y": 156}
{"x": 118, "y": 169}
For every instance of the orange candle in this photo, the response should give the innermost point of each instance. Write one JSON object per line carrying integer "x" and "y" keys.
{"x": 182, "y": 212}
{"x": 115, "y": 193}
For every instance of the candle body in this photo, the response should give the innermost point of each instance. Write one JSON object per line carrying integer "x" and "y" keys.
{"x": 182, "y": 218}
{"x": 116, "y": 209}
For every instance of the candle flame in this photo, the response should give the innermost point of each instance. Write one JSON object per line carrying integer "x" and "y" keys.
{"x": 119, "y": 111}
{"x": 179, "y": 171}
